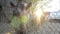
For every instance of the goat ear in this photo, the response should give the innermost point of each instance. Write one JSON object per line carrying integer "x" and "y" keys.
{"x": 28, "y": 5}
{"x": 12, "y": 5}
{"x": 0, "y": 8}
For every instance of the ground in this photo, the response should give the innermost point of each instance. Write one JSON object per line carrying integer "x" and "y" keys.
{"x": 48, "y": 28}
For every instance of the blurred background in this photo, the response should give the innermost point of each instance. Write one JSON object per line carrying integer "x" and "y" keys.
{"x": 29, "y": 16}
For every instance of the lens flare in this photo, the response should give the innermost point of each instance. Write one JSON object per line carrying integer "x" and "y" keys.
{"x": 38, "y": 13}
